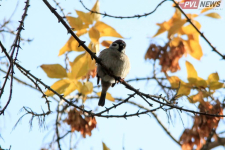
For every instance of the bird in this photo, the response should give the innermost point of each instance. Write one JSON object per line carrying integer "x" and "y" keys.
{"x": 117, "y": 62}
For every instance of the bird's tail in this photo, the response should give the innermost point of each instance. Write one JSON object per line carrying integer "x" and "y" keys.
{"x": 105, "y": 87}
{"x": 101, "y": 101}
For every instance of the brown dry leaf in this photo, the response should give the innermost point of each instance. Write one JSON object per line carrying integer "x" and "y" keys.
{"x": 80, "y": 123}
{"x": 94, "y": 35}
{"x": 71, "y": 45}
{"x": 106, "y": 43}
{"x": 59, "y": 86}
{"x": 85, "y": 17}
{"x": 76, "y": 23}
{"x": 106, "y": 30}
{"x": 54, "y": 71}
{"x": 213, "y": 15}
{"x": 108, "y": 96}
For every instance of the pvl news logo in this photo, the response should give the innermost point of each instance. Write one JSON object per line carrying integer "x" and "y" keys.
{"x": 200, "y": 4}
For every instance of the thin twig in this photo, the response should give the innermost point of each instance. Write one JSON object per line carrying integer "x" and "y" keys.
{"x": 123, "y": 17}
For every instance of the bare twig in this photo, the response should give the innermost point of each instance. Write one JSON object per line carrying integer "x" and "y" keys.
{"x": 123, "y": 17}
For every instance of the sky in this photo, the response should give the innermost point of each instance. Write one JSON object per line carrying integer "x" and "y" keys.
{"x": 49, "y": 36}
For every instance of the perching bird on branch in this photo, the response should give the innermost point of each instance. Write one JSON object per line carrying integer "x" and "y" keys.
{"x": 115, "y": 59}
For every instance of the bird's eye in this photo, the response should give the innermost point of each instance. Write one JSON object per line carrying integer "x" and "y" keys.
{"x": 114, "y": 44}
{"x": 122, "y": 45}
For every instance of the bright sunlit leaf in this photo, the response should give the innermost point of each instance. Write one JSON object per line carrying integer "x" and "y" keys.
{"x": 81, "y": 32}
{"x": 94, "y": 16}
{"x": 196, "y": 98}
{"x": 175, "y": 41}
{"x": 59, "y": 86}
{"x": 54, "y": 71}
{"x": 106, "y": 43}
{"x": 108, "y": 96}
{"x": 81, "y": 65}
{"x": 72, "y": 87}
{"x": 201, "y": 83}
{"x": 213, "y": 15}
{"x": 213, "y": 81}
{"x": 106, "y": 30}
{"x": 192, "y": 73}
{"x": 189, "y": 29}
{"x": 85, "y": 88}
{"x": 94, "y": 47}
{"x": 71, "y": 45}
{"x": 174, "y": 81}
{"x": 76, "y": 23}
{"x": 176, "y": 27}
{"x": 85, "y": 17}
{"x": 184, "y": 89}
{"x": 195, "y": 49}
{"x": 94, "y": 35}
{"x": 163, "y": 27}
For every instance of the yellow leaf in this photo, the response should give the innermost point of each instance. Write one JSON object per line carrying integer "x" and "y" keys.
{"x": 94, "y": 35}
{"x": 195, "y": 49}
{"x": 201, "y": 83}
{"x": 106, "y": 43}
{"x": 85, "y": 88}
{"x": 206, "y": 9}
{"x": 76, "y": 23}
{"x": 81, "y": 65}
{"x": 108, "y": 96}
{"x": 81, "y": 32}
{"x": 106, "y": 30}
{"x": 213, "y": 77}
{"x": 174, "y": 81}
{"x": 196, "y": 98}
{"x": 94, "y": 16}
{"x": 213, "y": 15}
{"x": 192, "y": 73}
{"x": 71, "y": 45}
{"x": 213, "y": 81}
{"x": 54, "y": 71}
{"x": 85, "y": 17}
{"x": 94, "y": 47}
{"x": 59, "y": 86}
{"x": 189, "y": 29}
{"x": 163, "y": 27}
{"x": 72, "y": 87}
{"x": 184, "y": 89}
{"x": 175, "y": 41}
{"x": 104, "y": 146}
{"x": 176, "y": 27}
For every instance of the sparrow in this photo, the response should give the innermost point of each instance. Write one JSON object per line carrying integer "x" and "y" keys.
{"x": 115, "y": 59}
